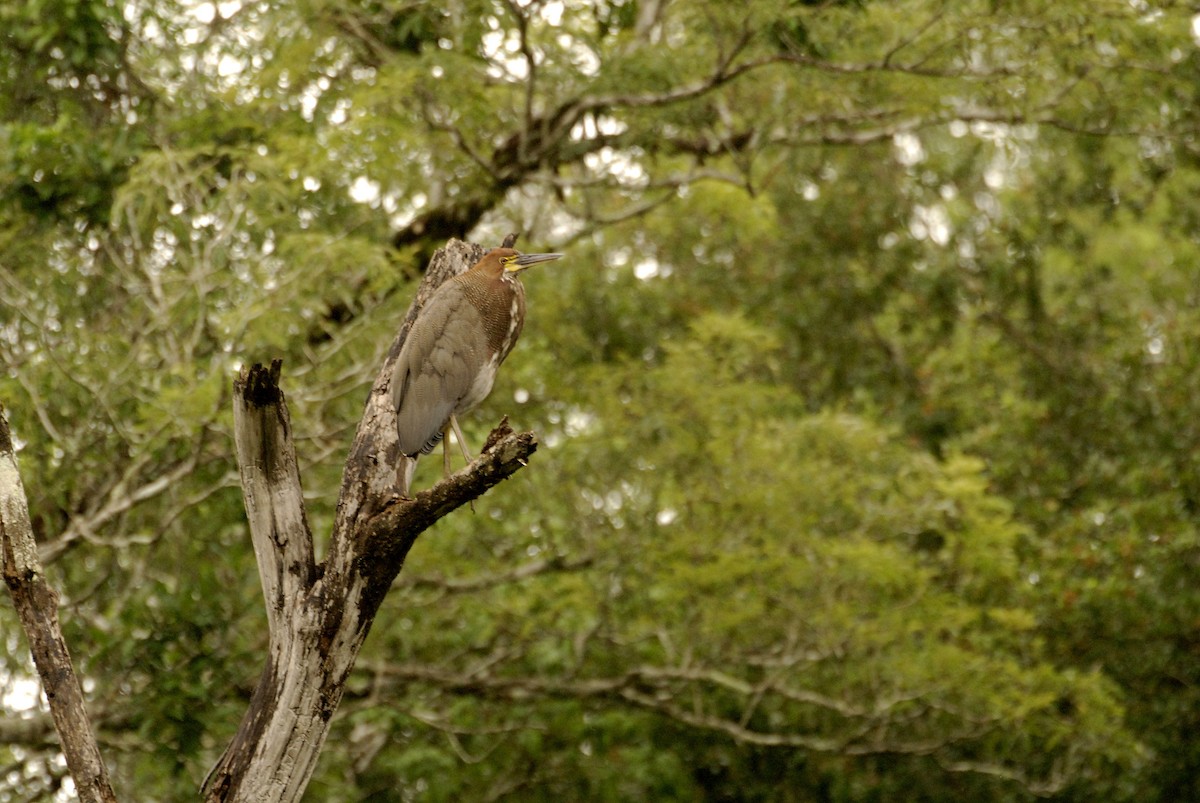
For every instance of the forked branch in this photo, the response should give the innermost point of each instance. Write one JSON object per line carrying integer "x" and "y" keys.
{"x": 319, "y": 616}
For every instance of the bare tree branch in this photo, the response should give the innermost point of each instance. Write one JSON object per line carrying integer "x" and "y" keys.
{"x": 319, "y": 616}
{"x": 530, "y": 79}
{"x": 867, "y": 728}
{"x": 535, "y": 568}
{"x": 271, "y": 488}
{"x": 37, "y": 607}
{"x": 26, "y": 731}
{"x": 118, "y": 499}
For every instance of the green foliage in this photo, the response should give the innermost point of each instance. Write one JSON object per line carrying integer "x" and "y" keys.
{"x": 882, "y": 583}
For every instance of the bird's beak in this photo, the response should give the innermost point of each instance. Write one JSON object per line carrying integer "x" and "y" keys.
{"x": 525, "y": 260}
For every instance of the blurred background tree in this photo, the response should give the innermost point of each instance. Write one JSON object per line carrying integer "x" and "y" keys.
{"x": 868, "y": 391}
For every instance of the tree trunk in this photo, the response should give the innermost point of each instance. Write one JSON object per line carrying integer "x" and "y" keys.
{"x": 319, "y": 616}
{"x": 37, "y": 607}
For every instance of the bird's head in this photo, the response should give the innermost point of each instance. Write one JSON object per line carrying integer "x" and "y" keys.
{"x": 509, "y": 260}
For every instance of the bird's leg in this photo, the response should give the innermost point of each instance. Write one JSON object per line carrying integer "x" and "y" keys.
{"x": 446, "y": 449}
{"x": 405, "y": 466}
{"x": 462, "y": 442}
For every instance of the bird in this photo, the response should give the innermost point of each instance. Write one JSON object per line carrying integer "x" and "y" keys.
{"x": 449, "y": 360}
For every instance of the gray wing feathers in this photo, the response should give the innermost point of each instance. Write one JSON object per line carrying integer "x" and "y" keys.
{"x": 434, "y": 371}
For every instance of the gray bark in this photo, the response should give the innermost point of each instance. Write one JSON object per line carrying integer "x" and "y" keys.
{"x": 319, "y": 616}
{"x": 37, "y": 607}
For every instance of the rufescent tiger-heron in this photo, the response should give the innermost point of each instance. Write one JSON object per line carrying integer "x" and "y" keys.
{"x": 449, "y": 359}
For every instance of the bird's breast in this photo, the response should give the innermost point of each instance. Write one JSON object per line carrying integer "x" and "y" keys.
{"x": 481, "y": 385}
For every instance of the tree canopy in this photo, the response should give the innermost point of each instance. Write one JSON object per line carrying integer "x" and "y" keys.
{"x": 868, "y": 390}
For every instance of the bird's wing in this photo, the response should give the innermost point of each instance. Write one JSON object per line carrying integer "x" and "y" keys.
{"x": 437, "y": 364}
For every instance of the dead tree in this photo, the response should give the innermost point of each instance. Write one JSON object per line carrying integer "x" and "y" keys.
{"x": 37, "y": 608}
{"x": 318, "y": 614}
